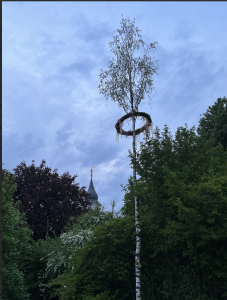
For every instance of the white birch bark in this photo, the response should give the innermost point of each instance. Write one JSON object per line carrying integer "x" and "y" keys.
{"x": 137, "y": 225}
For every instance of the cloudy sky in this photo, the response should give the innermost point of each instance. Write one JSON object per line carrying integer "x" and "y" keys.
{"x": 52, "y": 55}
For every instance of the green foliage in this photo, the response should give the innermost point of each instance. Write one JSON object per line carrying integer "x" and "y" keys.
{"x": 35, "y": 263}
{"x": 183, "y": 211}
{"x": 128, "y": 77}
{"x": 15, "y": 238}
{"x": 214, "y": 122}
{"x": 104, "y": 263}
{"x": 48, "y": 258}
{"x": 77, "y": 233}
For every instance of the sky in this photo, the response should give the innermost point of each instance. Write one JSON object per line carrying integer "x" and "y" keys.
{"x": 52, "y": 54}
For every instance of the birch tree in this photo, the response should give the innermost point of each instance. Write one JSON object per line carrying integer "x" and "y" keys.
{"x": 126, "y": 81}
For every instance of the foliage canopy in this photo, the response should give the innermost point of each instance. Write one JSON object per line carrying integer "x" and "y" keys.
{"x": 47, "y": 199}
{"x": 214, "y": 122}
{"x": 128, "y": 77}
{"x": 15, "y": 244}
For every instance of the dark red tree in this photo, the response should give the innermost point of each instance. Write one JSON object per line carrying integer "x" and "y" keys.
{"x": 47, "y": 199}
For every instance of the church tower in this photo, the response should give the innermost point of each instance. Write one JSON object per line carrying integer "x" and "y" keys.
{"x": 93, "y": 197}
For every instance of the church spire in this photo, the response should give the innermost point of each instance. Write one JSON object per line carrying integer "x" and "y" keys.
{"x": 91, "y": 190}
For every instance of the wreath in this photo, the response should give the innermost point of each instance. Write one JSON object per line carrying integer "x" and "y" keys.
{"x": 119, "y": 123}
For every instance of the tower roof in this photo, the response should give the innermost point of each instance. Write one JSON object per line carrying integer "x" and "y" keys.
{"x": 91, "y": 190}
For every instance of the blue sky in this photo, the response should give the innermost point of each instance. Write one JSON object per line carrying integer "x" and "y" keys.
{"x": 52, "y": 55}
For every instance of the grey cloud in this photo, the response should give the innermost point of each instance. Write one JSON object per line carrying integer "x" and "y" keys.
{"x": 94, "y": 37}
{"x": 188, "y": 70}
{"x": 90, "y": 32}
{"x": 48, "y": 47}
{"x": 97, "y": 152}
{"x": 63, "y": 134}
{"x": 28, "y": 143}
{"x": 82, "y": 68}
{"x": 184, "y": 31}
{"x": 96, "y": 148}
{"x": 188, "y": 77}
{"x": 48, "y": 41}
{"x": 22, "y": 144}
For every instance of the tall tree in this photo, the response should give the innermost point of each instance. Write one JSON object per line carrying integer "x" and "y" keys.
{"x": 183, "y": 188}
{"x": 47, "y": 199}
{"x": 127, "y": 81}
{"x": 214, "y": 122}
{"x": 15, "y": 237}
{"x": 183, "y": 217}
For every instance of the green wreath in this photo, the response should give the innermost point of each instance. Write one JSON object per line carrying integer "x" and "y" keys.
{"x": 118, "y": 125}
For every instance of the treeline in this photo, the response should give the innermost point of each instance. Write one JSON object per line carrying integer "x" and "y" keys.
{"x": 56, "y": 247}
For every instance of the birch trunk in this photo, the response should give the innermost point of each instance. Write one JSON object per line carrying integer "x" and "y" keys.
{"x": 138, "y": 237}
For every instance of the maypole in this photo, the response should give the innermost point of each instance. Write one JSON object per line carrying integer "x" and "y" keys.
{"x": 133, "y": 133}
{"x": 126, "y": 81}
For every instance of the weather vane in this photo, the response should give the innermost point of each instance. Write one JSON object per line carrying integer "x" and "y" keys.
{"x": 92, "y": 170}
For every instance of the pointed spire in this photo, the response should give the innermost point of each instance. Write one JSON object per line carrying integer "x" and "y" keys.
{"x": 91, "y": 190}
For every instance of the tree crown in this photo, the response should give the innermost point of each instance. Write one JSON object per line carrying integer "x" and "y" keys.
{"x": 128, "y": 77}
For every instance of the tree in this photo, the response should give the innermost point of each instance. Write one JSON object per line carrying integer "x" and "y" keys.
{"x": 75, "y": 234}
{"x": 183, "y": 217}
{"x": 127, "y": 81}
{"x": 34, "y": 267}
{"x": 47, "y": 199}
{"x": 58, "y": 253}
{"x": 214, "y": 122}
{"x": 183, "y": 214}
{"x": 15, "y": 238}
{"x": 48, "y": 258}
{"x": 103, "y": 267}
